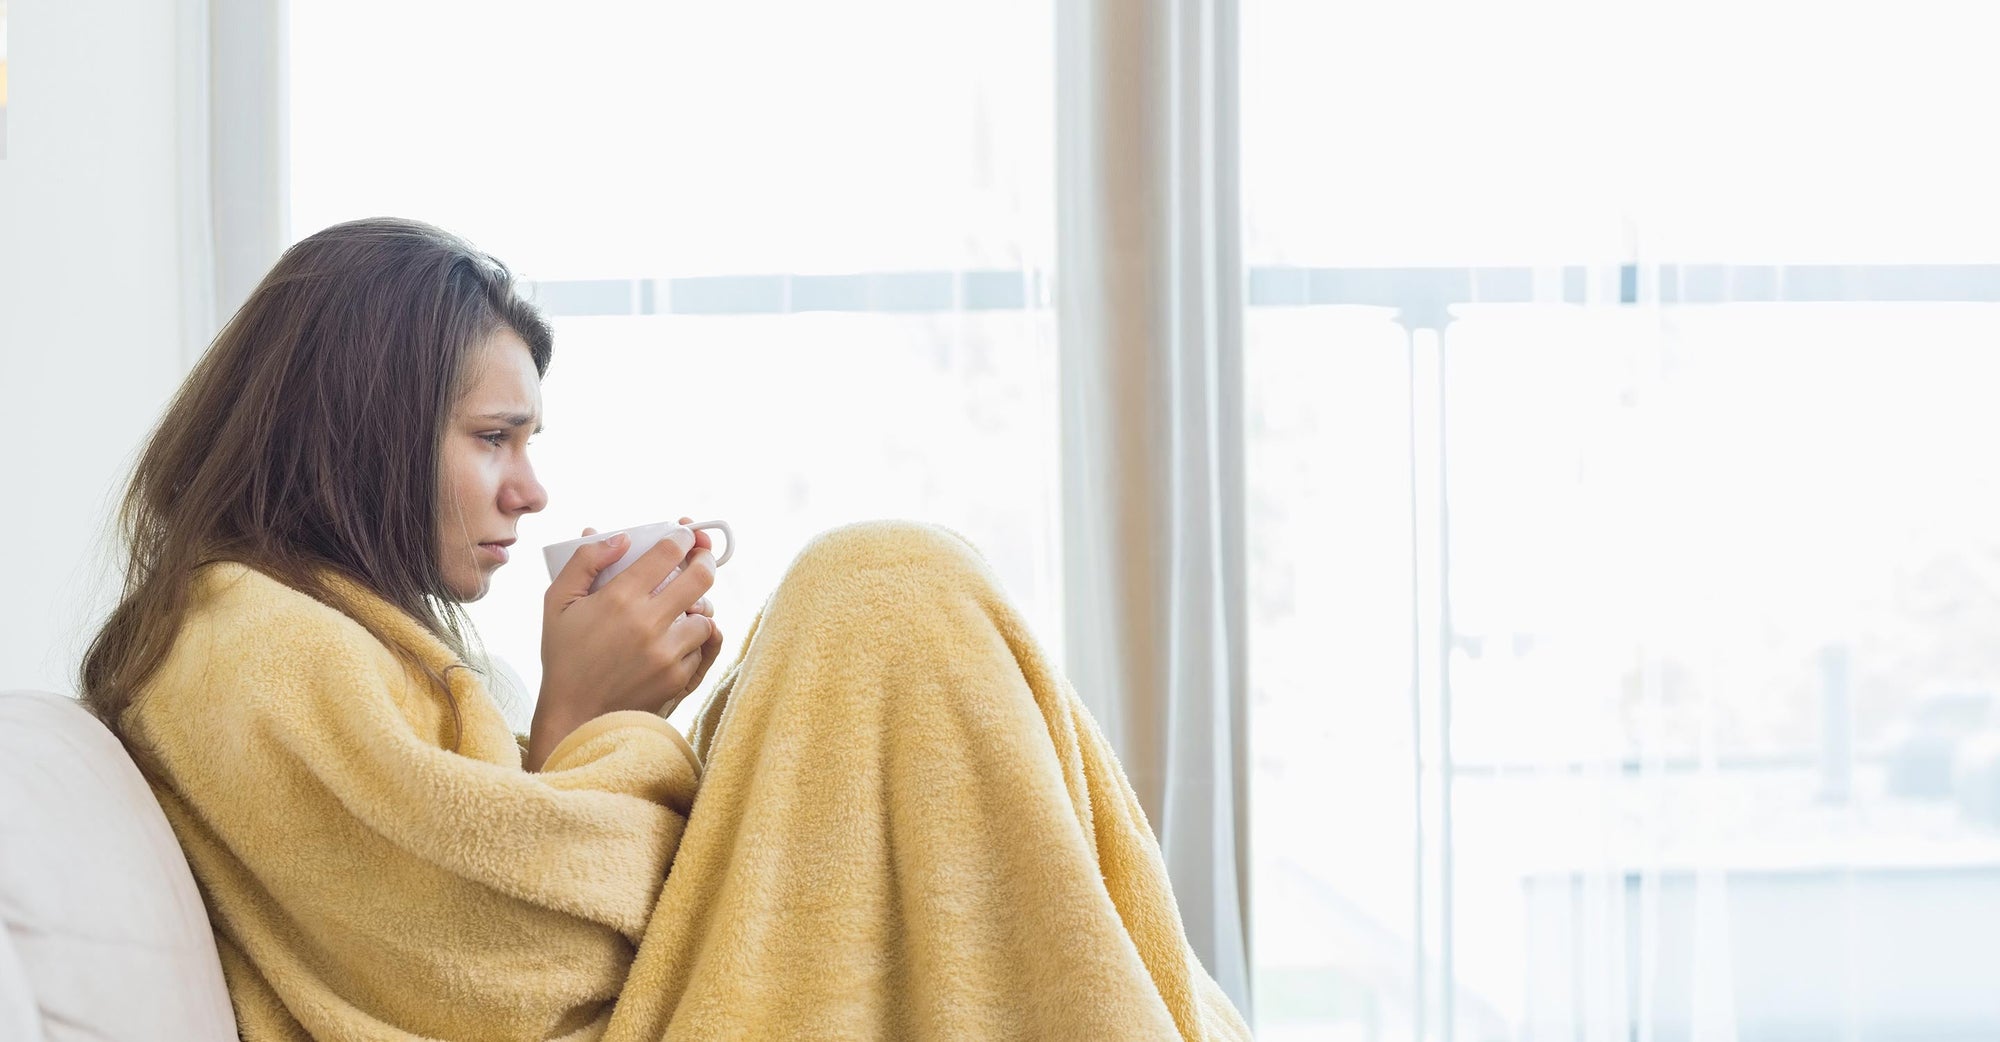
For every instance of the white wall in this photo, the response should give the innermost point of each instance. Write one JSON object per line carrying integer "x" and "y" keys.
{"x": 89, "y": 305}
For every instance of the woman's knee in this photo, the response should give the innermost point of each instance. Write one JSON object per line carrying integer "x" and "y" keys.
{"x": 891, "y": 545}
{"x": 884, "y": 566}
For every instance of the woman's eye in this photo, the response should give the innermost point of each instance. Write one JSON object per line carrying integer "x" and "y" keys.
{"x": 494, "y": 438}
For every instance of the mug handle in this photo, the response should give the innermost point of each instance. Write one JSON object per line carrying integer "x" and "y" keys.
{"x": 728, "y": 538}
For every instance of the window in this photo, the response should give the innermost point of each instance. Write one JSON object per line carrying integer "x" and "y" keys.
{"x": 794, "y": 254}
{"x": 1624, "y": 590}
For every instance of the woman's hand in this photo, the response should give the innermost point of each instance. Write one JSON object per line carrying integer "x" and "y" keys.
{"x": 712, "y": 648}
{"x": 623, "y": 647}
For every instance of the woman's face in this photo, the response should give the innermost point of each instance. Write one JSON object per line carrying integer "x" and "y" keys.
{"x": 486, "y": 480}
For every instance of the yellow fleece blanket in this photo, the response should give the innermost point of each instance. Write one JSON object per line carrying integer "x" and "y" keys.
{"x": 906, "y": 826}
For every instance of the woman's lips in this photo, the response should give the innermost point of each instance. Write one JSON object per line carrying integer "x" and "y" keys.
{"x": 498, "y": 551}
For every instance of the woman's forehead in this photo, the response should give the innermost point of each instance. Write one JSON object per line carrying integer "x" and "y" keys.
{"x": 503, "y": 384}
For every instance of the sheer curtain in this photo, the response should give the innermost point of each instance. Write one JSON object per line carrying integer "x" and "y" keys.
{"x": 1621, "y": 570}
{"x": 230, "y": 145}
{"x": 1150, "y": 295}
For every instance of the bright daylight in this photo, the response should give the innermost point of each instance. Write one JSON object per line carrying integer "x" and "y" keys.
{"x": 1361, "y": 521}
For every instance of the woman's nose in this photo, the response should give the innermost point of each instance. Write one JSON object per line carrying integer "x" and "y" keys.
{"x": 524, "y": 495}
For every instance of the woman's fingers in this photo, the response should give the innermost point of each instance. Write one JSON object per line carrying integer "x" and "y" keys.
{"x": 692, "y": 668}
{"x": 696, "y": 577}
{"x": 687, "y": 634}
{"x": 687, "y": 643}
{"x": 701, "y": 537}
{"x": 652, "y": 568}
{"x": 703, "y": 658}
{"x": 710, "y": 649}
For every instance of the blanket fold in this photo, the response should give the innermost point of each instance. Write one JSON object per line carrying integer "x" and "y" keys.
{"x": 895, "y": 820}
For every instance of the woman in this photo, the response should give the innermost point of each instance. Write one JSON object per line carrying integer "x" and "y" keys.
{"x": 907, "y": 825}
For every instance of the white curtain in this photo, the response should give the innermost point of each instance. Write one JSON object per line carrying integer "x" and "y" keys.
{"x": 231, "y": 171}
{"x": 1149, "y": 300}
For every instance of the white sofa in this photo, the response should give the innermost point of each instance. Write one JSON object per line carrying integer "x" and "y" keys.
{"x": 105, "y": 936}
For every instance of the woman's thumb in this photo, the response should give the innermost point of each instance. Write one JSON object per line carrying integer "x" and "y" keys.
{"x": 590, "y": 559}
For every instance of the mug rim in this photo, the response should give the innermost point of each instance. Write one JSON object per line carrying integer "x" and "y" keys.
{"x": 569, "y": 547}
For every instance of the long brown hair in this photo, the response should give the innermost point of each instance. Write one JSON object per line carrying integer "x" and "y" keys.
{"x": 306, "y": 441}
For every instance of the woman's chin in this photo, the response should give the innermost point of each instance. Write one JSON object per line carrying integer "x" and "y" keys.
{"x": 467, "y": 590}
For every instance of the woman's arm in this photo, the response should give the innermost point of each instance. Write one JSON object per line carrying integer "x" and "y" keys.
{"x": 359, "y": 866}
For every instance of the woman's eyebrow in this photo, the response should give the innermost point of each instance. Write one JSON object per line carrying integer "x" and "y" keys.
{"x": 511, "y": 419}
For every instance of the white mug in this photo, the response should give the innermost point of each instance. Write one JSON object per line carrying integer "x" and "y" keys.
{"x": 644, "y": 538}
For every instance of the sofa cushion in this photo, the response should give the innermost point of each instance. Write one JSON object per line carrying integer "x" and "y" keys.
{"x": 105, "y": 936}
